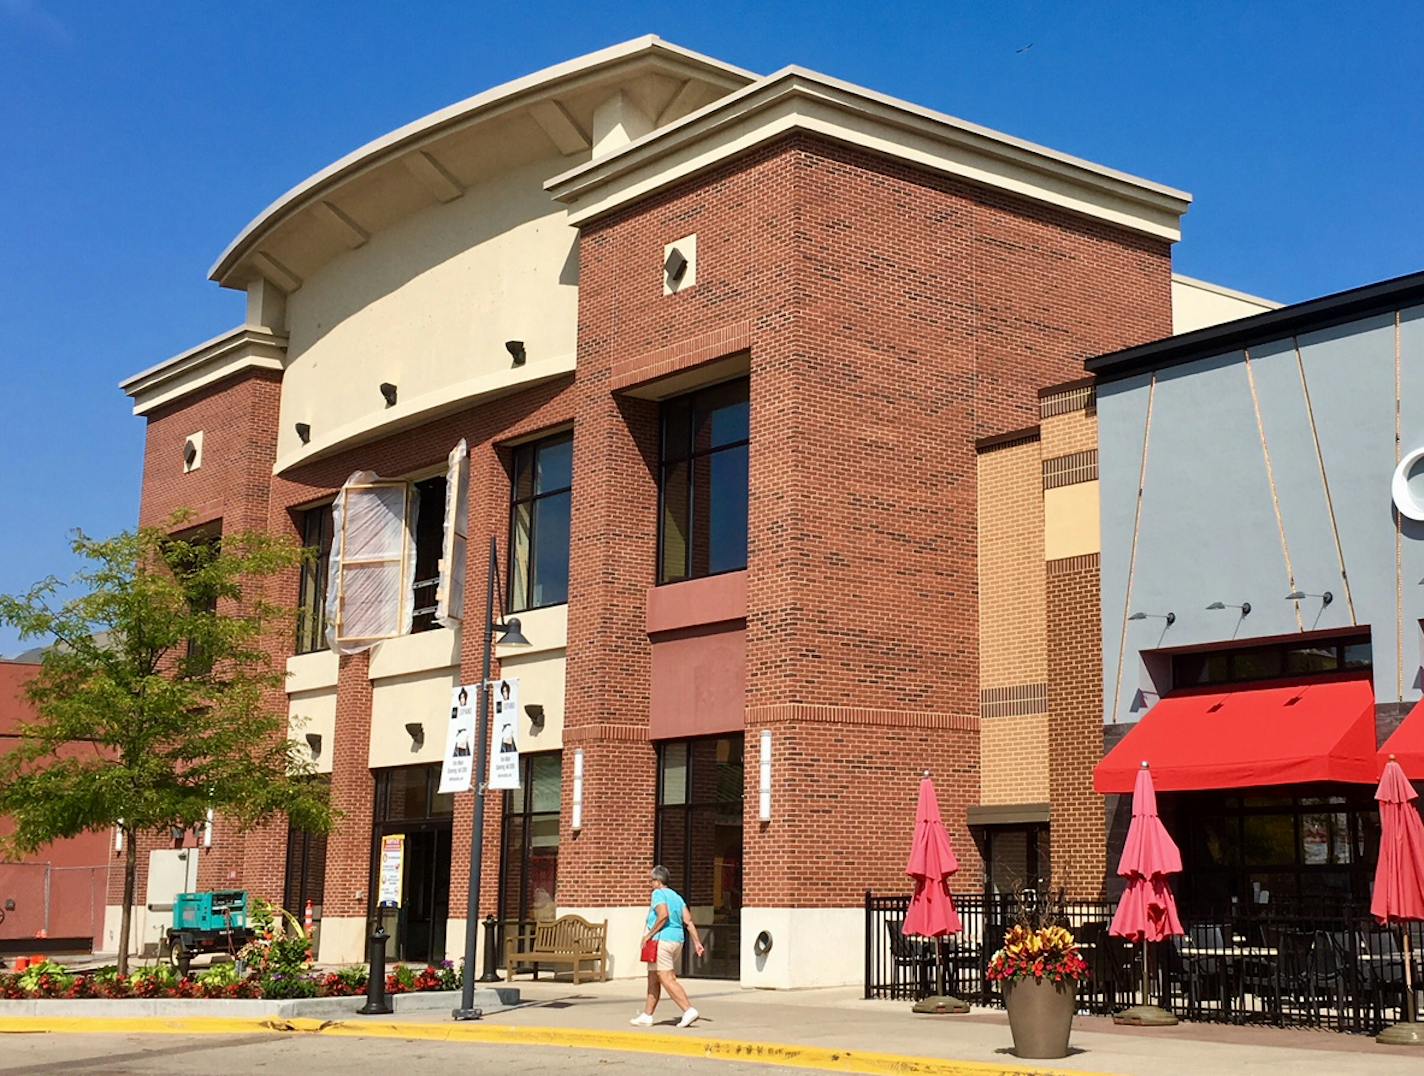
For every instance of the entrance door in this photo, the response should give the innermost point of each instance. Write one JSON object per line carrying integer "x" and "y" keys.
{"x": 699, "y": 840}
{"x": 408, "y": 805}
{"x": 1017, "y": 857}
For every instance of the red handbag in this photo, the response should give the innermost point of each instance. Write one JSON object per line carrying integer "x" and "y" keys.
{"x": 650, "y": 951}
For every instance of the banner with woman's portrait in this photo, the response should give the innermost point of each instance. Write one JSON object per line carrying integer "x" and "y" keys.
{"x": 504, "y": 747}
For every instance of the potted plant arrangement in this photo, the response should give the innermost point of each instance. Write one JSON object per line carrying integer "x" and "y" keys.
{"x": 1038, "y": 970}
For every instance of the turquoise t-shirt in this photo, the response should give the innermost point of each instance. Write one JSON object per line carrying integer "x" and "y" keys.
{"x": 673, "y": 931}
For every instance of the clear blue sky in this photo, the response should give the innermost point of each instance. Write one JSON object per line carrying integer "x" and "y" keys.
{"x": 139, "y": 138}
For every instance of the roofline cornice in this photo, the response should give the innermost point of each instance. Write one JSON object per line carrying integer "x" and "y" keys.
{"x": 795, "y": 98}
{"x": 243, "y": 348}
{"x": 499, "y": 99}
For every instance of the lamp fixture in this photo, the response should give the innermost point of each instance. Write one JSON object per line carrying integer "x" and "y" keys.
{"x": 1170, "y": 618}
{"x": 304, "y": 432}
{"x": 516, "y": 351}
{"x": 512, "y": 635}
{"x": 389, "y": 392}
{"x": 536, "y": 717}
{"x": 576, "y": 799}
{"x": 675, "y": 265}
{"x": 417, "y": 735}
{"x": 1297, "y": 595}
{"x": 314, "y": 745}
{"x": 1245, "y": 607}
{"x": 764, "y": 778}
{"x": 208, "y": 830}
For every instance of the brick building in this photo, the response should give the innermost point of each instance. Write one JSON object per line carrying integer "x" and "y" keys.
{"x": 721, "y": 348}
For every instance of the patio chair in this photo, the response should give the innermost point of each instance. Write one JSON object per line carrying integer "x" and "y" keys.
{"x": 913, "y": 956}
{"x": 1383, "y": 976}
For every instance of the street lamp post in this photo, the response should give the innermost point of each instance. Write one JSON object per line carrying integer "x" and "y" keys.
{"x": 510, "y": 636}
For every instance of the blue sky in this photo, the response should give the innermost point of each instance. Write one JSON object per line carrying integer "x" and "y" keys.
{"x": 138, "y": 139}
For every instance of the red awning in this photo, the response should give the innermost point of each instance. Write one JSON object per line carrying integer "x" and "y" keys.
{"x": 1280, "y": 733}
{"x": 1407, "y": 745}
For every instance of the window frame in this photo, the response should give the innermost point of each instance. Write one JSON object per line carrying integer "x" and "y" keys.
{"x": 1339, "y": 643}
{"x": 689, "y": 458}
{"x": 315, "y": 576}
{"x": 520, "y": 603}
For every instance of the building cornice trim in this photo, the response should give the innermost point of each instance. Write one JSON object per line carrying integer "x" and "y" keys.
{"x": 243, "y": 348}
{"x": 798, "y": 100}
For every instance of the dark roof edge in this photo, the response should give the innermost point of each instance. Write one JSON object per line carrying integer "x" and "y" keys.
{"x": 1012, "y": 437}
{"x": 1313, "y": 314}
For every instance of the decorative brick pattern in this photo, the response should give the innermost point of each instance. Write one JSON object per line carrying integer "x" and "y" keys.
{"x": 1071, "y": 469}
{"x": 1013, "y": 701}
{"x": 1077, "y": 395}
{"x": 684, "y": 355}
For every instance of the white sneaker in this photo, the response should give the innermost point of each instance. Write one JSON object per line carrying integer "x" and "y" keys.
{"x": 687, "y": 1018}
{"x": 643, "y": 1020}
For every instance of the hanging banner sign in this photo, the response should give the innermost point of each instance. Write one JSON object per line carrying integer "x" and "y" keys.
{"x": 392, "y": 869}
{"x": 504, "y": 751}
{"x": 459, "y": 762}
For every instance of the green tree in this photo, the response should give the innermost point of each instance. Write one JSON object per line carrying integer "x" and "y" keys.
{"x": 159, "y": 671}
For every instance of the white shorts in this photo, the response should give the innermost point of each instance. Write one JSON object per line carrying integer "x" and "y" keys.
{"x": 669, "y": 955}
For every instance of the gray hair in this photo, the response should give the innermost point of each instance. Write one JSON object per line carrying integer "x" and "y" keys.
{"x": 661, "y": 874}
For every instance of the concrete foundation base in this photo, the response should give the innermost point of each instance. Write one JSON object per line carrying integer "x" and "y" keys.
{"x": 1145, "y": 1016}
{"x": 1402, "y": 1034}
{"x": 490, "y": 1000}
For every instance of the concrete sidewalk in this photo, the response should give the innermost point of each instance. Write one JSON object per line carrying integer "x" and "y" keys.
{"x": 842, "y": 1019}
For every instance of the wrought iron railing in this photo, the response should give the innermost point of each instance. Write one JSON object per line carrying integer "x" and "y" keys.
{"x": 1338, "y": 969}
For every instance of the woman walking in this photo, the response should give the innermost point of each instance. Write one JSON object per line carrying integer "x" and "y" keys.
{"x": 668, "y": 927}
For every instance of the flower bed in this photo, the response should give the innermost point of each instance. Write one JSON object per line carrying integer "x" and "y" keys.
{"x": 275, "y": 966}
{"x": 51, "y": 980}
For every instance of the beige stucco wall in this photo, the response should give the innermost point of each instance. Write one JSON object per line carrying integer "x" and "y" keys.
{"x": 314, "y": 711}
{"x": 1197, "y": 304}
{"x": 1070, "y": 521}
{"x": 540, "y": 669}
{"x": 427, "y": 304}
{"x": 422, "y": 697}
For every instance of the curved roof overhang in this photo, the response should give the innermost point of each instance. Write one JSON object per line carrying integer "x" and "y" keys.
{"x": 432, "y": 156}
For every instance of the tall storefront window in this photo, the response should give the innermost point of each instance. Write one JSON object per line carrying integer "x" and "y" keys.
{"x": 1017, "y": 859}
{"x": 311, "y": 596}
{"x": 703, "y": 482}
{"x": 408, "y": 807}
{"x": 306, "y": 869}
{"x": 699, "y": 840}
{"x": 540, "y": 500}
{"x": 529, "y": 859}
{"x": 1297, "y": 851}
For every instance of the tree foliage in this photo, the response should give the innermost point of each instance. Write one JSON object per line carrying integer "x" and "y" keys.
{"x": 159, "y": 699}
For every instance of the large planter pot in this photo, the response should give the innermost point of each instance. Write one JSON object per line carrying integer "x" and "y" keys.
{"x": 1040, "y": 1016}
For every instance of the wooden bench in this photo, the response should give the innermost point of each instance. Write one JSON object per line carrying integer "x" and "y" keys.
{"x": 569, "y": 939}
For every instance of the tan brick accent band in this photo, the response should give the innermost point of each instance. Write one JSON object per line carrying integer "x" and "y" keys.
{"x": 684, "y": 355}
{"x": 1071, "y": 469}
{"x": 1065, "y": 398}
{"x": 1016, "y": 700}
{"x": 793, "y": 713}
{"x": 1088, "y": 562}
{"x": 606, "y": 733}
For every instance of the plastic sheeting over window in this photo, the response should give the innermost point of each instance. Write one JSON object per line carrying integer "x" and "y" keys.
{"x": 370, "y": 586}
{"x": 450, "y": 603}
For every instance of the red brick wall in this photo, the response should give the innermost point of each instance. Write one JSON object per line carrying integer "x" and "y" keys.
{"x": 1075, "y": 725}
{"x": 893, "y": 317}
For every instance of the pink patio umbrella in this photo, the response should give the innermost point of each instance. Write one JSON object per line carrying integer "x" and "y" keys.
{"x": 1147, "y": 911}
{"x": 1399, "y": 882}
{"x": 931, "y": 913}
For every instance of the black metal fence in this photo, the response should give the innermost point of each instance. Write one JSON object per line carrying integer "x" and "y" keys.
{"x": 1339, "y": 970}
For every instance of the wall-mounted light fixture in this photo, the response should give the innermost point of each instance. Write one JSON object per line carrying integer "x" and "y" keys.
{"x": 417, "y": 735}
{"x": 577, "y": 799}
{"x": 536, "y": 717}
{"x": 314, "y": 745}
{"x": 516, "y": 351}
{"x": 208, "y": 830}
{"x": 119, "y": 836}
{"x": 1299, "y": 595}
{"x": 764, "y": 797}
{"x": 304, "y": 432}
{"x": 1170, "y": 618}
{"x": 389, "y": 392}
{"x": 675, "y": 265}
{"x": 1245, "y": 607}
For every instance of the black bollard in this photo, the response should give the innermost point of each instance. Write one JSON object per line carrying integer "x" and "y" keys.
{"x": 377, "y": 1004}
{"x": 491, "y": 974}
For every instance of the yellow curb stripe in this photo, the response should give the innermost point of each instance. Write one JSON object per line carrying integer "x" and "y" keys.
{"x": 783, "y": 1055}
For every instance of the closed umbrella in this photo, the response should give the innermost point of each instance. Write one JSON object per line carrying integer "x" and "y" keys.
{"x": 1147, "y": 911}
{"x": 931, "y": 913}
{"x": 1399, "y": 882}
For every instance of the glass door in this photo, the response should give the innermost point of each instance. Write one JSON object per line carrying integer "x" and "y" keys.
{"x": 408, "y": 806}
